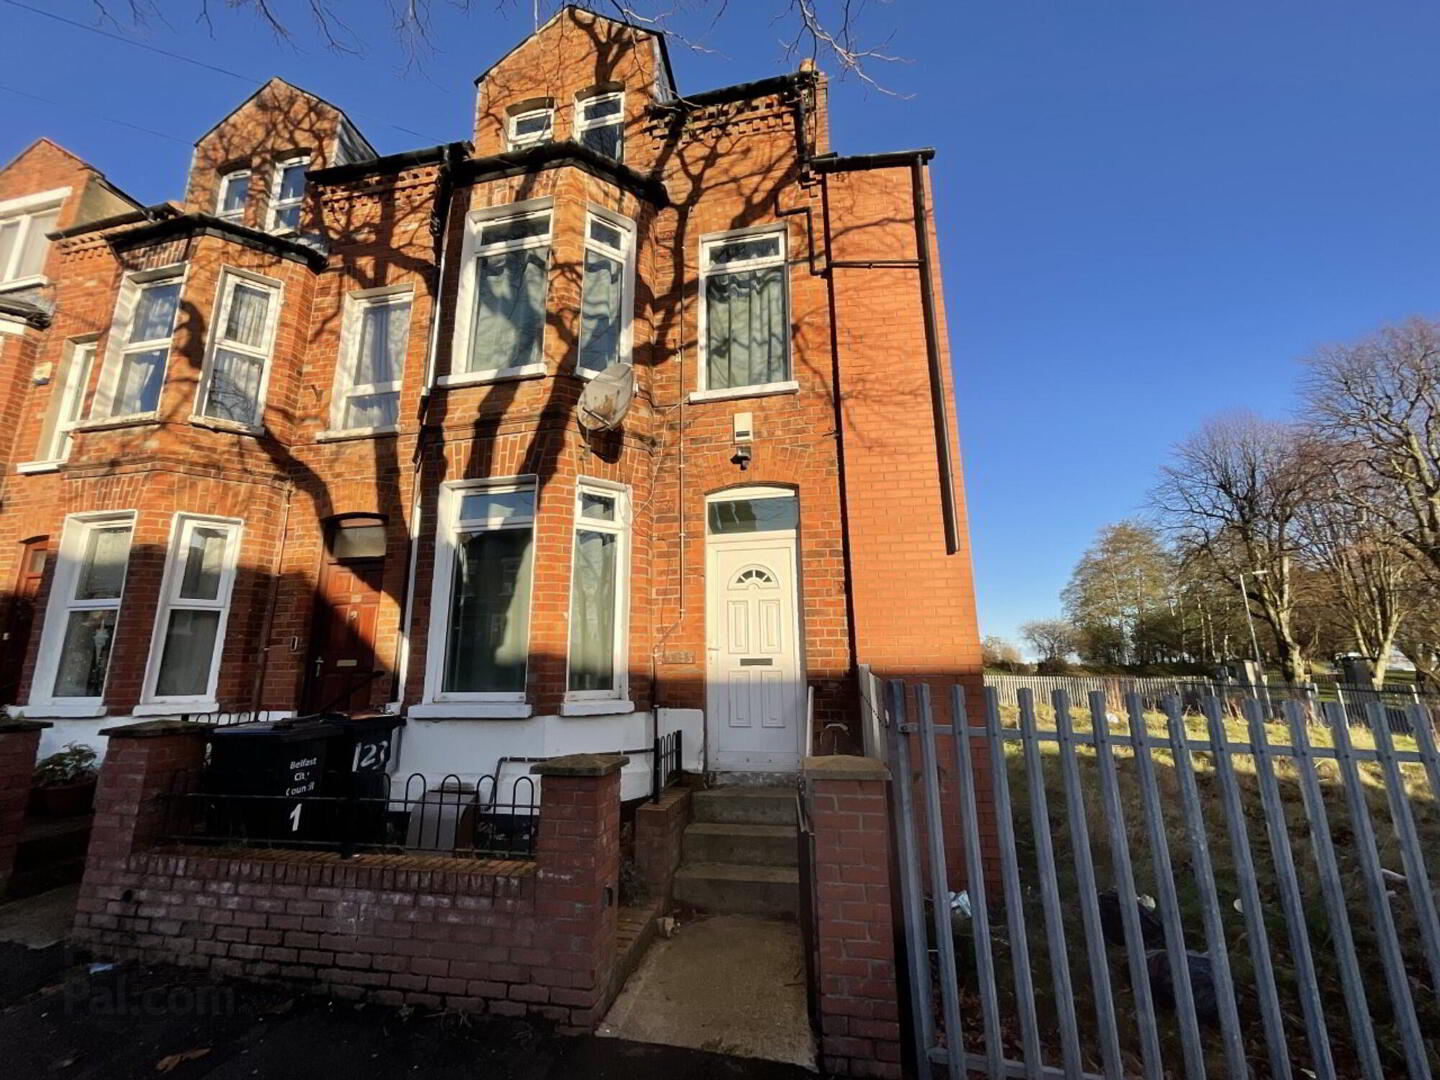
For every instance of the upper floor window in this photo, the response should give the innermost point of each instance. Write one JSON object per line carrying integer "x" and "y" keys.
{"x": 501, "y": 321}
{"x": 74, "y": 656}
{"x": 373, "y": 339}
{"x": 139, "y": 345}
{"x": 530, "y": 128}
{"x": 287, "y": 193}
{"x": 745, "y": 323}
{"x": 483, "y": 573}
{"x": 194, "y": 604}
{"x": 606, "y": 295}
{"x": 23, "y": 245}
{"x": 233, "y": 194}
{"x": 600, "y": 124}
{"x": 232, "y": 382}
{"x": 67, "y": 401}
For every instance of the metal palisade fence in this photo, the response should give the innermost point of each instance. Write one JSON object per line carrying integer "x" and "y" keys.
{"x": 1213, "y": 892}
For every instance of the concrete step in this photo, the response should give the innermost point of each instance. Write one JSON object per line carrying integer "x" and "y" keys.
{"x": 739, "y": 890}
{"x": 742, "y": 845}
{"x": 745, "y": 806}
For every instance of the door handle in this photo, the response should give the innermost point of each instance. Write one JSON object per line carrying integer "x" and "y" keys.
{"x": 319, "y": 662}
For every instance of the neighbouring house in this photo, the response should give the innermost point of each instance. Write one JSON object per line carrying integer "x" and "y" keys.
{"x": 307, "y": 439}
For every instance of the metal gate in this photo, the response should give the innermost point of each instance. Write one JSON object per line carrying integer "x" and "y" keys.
{"x": 1174, "y": 893}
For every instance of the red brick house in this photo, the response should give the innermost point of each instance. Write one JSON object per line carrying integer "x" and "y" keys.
{"x": 308, "y": 437}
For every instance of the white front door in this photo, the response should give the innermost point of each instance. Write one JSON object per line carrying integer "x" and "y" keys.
{"x": 756, "y": 684}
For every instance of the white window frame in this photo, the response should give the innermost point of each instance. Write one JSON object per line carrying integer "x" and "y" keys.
{"x": 62, "y": 602}
{"x": 182, "y": 526}
{"x": 67, "y": 401}
{"x": 515, "y": 141}
{"x": 25, "y": 209}
{"x": 235, "y": 216}
{"x": 582, "y": 702}
{"x": 707, "y": 243}
{"x": 438, "y": 702}
{"x": 224, "y": 295}
{"x": 346, "y": 363}
{"x": 580, "y": 124}
{"x": 626, "y": 255}
{"x": 117, "y": 345}
{"x": 465, "y": 296}
{"x": 274, "y": 204}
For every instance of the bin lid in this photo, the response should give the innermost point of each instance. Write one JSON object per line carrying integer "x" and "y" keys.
{"x": 289, "y": 729}
{"x": 362, "y": 724}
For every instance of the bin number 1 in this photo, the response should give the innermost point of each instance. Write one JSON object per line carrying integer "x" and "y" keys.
{"x": 295, "y": 817}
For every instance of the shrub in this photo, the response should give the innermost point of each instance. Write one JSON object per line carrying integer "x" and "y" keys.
{"x": 72, "y": 765}
{"x": 1053, "y": 665}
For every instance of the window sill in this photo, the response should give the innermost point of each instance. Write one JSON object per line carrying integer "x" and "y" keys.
{"x": 356, "y": 433}
{"x": 471, "y": 710}
{"x": 29, "y": 467}
{"x": 475, "y": 378}
{"x": 48, "y": 710}
{"x": 31, "y": 282}
{"x": 596, "y": 708}
{"x": 790, "y": 386}
{"x": 228, "y": 426}
{"x": 109, "y": 422}
{"x": 587, "y": 374}
{"x": 176, "y": 708}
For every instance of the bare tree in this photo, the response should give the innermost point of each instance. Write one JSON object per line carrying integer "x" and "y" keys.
{"x": 1052, "y": 639}
{"x": 997, "y": 650}
{"x": 1233, "y": 494}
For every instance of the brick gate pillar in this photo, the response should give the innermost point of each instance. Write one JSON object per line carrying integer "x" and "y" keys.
{"x": 855, "y": 938}
{"x": 579, "y": 884}
{"x": 143, "y": 763}
{"x": 19, "y": 742}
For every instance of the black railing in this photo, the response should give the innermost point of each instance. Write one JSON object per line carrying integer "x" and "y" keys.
{"x": 365, "y": 813}
{"x": 664, "y": 753}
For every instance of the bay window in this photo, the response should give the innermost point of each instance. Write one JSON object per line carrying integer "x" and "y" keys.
{"x": 374, "y": 334}
{"x": 606, "y": 296}
{"x": 23, "y": 245}
{"x": 744, "y": 311}
{"x": 479, "y": 649}
{"x": 84, "y": 608}
{"x": 600, "y": 124}
{"x": 287, "y": 193}
{"x": 598, "y": 578}
{"x": 189, "y": 632}
{"x": 500, "y": 325}
{"x": 139, "y": 345}
{"x": 232, "y": 383}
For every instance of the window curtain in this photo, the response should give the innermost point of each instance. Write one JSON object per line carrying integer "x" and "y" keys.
{"x": 155, "y": 312}
{"x": 509, "y": 309}
{"x": 245, "y": 324}
{"x": 103, "y": 571}
{"x": 490, "y": 613}
{"x": 746, "y": 328}
{"x": 592, "y": 612}
{"x": 141, "y": 374}
{"x": 189, "y": 648}
{"x": 382, "y": 344}
{"x": 600, "y": 312}
{"x": 234, "y": 392}
{"x": 85, "y": 654}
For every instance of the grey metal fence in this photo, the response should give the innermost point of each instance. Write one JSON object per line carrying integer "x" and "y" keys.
{"x": 1154, "y": 892}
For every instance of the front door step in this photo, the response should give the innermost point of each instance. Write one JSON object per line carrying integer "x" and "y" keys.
{"x": 754, "y": 845}
{"x": 739, "y": 889}
{"x": 746, "y": 806}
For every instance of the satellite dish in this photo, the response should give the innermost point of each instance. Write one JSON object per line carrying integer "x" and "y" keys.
{"x": 606, "y": 400}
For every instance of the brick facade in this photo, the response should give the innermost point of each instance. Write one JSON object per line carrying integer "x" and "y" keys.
{"x": 853, "y": 437}
{"x": 19, "y": 739}
{"x": 505, "y": 937}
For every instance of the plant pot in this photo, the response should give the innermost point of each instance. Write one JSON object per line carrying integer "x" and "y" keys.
{"x": 63, "y": 800}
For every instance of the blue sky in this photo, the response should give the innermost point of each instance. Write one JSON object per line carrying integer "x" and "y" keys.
{"x": 1149, "y": 209}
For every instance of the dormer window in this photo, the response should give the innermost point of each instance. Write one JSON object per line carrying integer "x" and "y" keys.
{"x": 531, "y": 128}
{"x": 287, "y": 194}
{"x": 600, "y": 124}
{"x": 233, "y": 195}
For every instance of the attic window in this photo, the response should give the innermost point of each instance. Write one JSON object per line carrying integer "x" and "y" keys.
{"x": 600, "y": 124}
{"x": 287, "y": 194}
{"x": 234, "y": 193}
{"x": 531, "y": 128}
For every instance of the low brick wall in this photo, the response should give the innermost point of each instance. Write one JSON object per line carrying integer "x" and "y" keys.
{"x": 659, "y": 841}
{"x": 506, "y": 937}
{"x": 19, "y": 742}
{"x": 858, "y": 999}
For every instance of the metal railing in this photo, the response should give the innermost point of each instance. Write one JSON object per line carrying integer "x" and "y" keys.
{"x": 478, "y": 818}
{"x": 664, "y": 763}
{"x": 1292, "y": 931}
